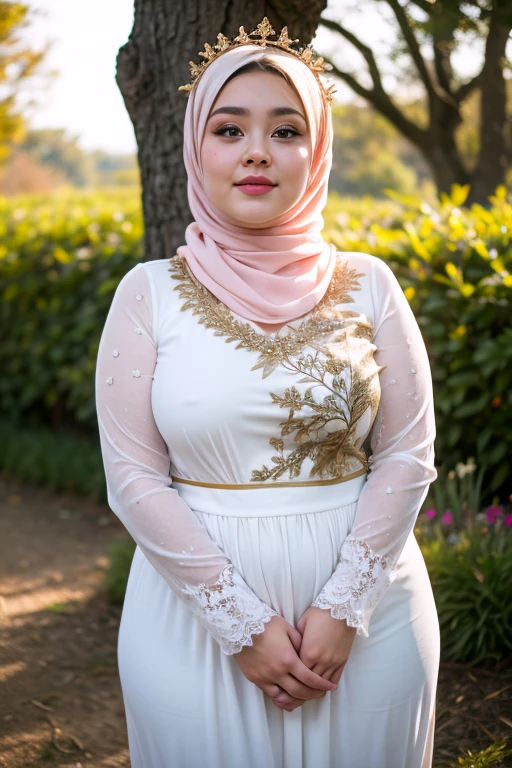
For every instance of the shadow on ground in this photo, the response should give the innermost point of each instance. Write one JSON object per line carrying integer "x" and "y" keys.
{"x": 61, "y": 703}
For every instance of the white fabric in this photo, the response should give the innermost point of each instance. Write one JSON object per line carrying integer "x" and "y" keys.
{"x": 178, "y": 397}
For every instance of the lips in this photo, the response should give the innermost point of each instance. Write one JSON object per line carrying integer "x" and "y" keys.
{"x": 256, "y": 180}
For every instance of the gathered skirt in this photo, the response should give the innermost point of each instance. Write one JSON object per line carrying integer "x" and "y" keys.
{"x": 187, "y": 703}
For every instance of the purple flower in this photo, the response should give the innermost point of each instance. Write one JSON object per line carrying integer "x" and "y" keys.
{"x": 431, "y": 513}
{"x": 493, "y": 512}
{"x": 508, "y": 520}
{"x": 447, "y": 517}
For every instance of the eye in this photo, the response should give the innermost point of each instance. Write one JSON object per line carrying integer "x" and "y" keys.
{"x": 222, "y": 131}
{"x": 287, "y": 130}
{"x": 225, "y": 128}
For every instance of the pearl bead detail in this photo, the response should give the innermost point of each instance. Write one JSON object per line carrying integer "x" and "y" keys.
{"x": 413, "y": 370}
{"x": 138, "y": 331}
{"x": 110, "y": 380}
{"x": 389, "y": 490}
{"x": 115, "y": 353}
{"x": 138, "y": 296}
{"x": 136, "y": 373}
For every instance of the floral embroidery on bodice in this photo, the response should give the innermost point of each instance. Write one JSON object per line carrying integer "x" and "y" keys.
{"x": 321, "y": 425}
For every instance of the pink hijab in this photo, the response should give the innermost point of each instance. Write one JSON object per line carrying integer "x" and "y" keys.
{"x": 275, "y": 274}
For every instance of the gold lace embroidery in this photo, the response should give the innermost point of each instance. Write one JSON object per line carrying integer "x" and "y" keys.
{"x": 325, "y": 435}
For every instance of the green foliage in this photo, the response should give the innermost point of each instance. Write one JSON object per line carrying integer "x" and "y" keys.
{"x": 459, "y": 493}
{"x": 18, "y": 63}
{"x": 472, "y": 584}
{"x": 454, "y": 264}
{"x": 61, "y": 260}
{"x": 58, "y": 459}
{"x": 53, "y": 148}
{"x": 468, "y": 551}
{"x": 120, "y": 555}
{"x": 369, "y": 155}
{"x": 492, "y": 756}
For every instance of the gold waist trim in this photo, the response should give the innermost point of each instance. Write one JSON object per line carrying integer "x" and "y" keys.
{"x": 243, "y": 486}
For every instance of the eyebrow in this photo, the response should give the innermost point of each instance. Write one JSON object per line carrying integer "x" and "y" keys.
{"x": 277, "y": 112}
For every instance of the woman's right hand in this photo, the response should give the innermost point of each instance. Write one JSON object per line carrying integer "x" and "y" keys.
{"x": 273, "y": 664}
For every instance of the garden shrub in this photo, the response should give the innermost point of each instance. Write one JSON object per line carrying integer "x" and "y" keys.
{"x": 454, "y": 264}
{"x": 62, "y": 257}
{"x": 471, "y": 576}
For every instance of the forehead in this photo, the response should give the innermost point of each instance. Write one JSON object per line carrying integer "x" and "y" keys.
{"x": 271, "y": 89}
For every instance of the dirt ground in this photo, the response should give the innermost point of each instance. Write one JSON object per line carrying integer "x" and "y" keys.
{"x": 61, "y": 703}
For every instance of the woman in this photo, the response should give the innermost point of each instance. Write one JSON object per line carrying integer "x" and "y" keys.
{"x": 267, "y": 427}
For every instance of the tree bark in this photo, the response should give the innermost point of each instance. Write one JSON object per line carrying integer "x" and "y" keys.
{"x": 166, "y": 35}
{"x": 494, "y": 154}
{"x": 441, "y": 150}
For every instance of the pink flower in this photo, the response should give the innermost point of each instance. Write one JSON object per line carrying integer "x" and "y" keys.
{"x": 508, "y": 520}
{"x": 431, "y": 513}
{"x": 493, "y": 512}
{"x": 447, "y": 517}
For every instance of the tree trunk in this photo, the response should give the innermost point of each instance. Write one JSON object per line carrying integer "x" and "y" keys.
{"x": 494, "y": 154}
{"x": 166, "y": 35}
{"x": 441, "y": 150}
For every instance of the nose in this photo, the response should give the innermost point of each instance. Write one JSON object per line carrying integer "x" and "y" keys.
{"x": 256, "y": 155}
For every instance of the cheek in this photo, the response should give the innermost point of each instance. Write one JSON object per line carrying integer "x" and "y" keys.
{"x": 295, "y": 164}
{"x": 216, "y": 159}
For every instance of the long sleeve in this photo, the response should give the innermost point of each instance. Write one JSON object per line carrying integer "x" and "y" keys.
{"x": 401, "y": 462}
{"x": 136, "y": 461}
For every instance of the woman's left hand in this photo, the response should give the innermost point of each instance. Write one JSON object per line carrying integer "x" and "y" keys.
{"x": 325, "y": 648}
{"x": 326, "y": 642}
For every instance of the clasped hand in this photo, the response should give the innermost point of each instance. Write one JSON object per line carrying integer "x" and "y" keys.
{"x": 292, "y": 665}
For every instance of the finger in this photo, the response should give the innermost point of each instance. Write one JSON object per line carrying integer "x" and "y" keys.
{"x": 328, "y": 672}
{"x": 271, "y": 689}
{"x": 291, "y": 703}
{"x": 298, "y": 690}
{"x": 337, "y": 674}
{"x": 320, "y": 669}
{"x": 284, "y": 700}
{"x": 296, "y": 638}
{"x": 278, "y": 696}
{"x": 309, "y": 678}
{"x": 288, "y": 707}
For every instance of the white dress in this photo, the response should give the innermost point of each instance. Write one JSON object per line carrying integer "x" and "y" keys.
{"x": 260, "y": 474}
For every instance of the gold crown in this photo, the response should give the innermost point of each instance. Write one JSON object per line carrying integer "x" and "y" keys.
{"x": 260, "y": 36}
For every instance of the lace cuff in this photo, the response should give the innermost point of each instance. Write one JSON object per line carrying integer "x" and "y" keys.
{"x": 360, "y": 580}
{"x": 230, "y": 610}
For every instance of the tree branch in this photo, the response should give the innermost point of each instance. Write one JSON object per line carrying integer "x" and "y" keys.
{"x": 383, "y": 104}
{"x": 361, "y": 47}
{"x": 424, "y": 5}
{"x": 413, "y": 45}
{"x": 463, "y": 92}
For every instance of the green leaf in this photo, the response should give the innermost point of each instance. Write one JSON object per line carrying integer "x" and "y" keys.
{"x": 472, "y": 407}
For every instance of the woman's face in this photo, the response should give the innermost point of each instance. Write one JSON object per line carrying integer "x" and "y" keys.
{"x": 257, "y": 127}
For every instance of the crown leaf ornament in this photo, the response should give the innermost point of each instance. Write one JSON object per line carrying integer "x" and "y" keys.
{"x": 261, "y": 36}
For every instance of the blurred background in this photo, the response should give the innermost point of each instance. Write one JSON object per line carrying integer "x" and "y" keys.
{"x": 421, "y": 177}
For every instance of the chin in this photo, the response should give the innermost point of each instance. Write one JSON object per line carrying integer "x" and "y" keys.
{"x": 248, "y": 219}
